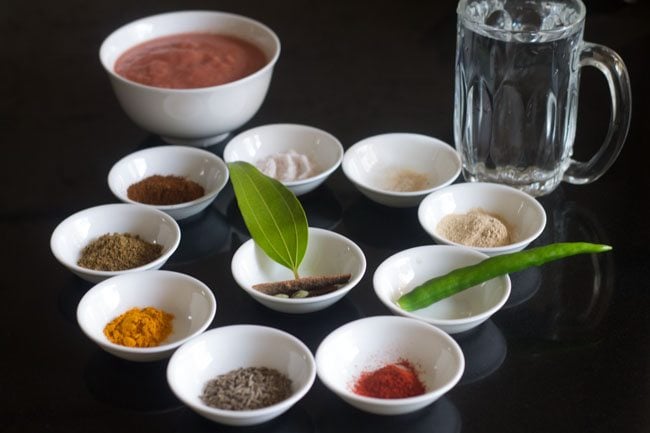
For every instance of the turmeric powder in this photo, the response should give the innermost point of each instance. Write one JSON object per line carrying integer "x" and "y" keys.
{"x": 140, "y": 327}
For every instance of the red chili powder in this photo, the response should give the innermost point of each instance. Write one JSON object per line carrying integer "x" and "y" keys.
{"x": 398, "y": 380}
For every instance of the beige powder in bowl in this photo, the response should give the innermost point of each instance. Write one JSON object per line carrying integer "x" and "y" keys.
{"x": 475, "y": 228}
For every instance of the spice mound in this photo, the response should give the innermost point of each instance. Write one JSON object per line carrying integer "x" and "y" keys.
{"x": 247, "y": 389}
{"x": 118, "y": 252}
{"x": 288, "y": 166}
{"x": 398, "y": 380}
{"x": 405, "y": 180}
{"x": 476, "y": 228}
{"x": 164, "y": 190}
{"x": 140, "y": 327}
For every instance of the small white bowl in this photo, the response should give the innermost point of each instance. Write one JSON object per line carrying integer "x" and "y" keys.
{"x": 224, "y": 349}
{"x": 327, "y": 253}
{"x": 322, "y": 148}
{"x": 402, "y": 272}
{"x": 200, "y": 116}
{"x": 78, "y": 230}
{"x": 521, "y": 213}
{"x": 370, "y": 343}
{"x": 188, "y": 299}
{"x": 376, "y": 164}
{"x": 200, "y": 166}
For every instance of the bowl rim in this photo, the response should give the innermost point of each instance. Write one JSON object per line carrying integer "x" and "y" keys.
{"x": 298, "y": 394}
{"x": 342, "y": 291}
{"x": 160, "y": 216}
{"x": 209, "y": 195}
{"x": 429, "y": 140}
{"x": 105, "y": 342}
{"x": 291, "y": 128}
{"x": 399, "y": 321}
{"x": 532, "y": 202}
{"x": 506, "y": 287}
{"x": 270, "y": 63}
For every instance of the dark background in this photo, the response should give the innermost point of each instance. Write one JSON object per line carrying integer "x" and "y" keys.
{"x": 569, "y": 352}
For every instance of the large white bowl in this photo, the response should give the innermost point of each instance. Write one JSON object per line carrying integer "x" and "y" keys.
{"x": 188, "y": 299}
{"x": 402, "y": 272}
{"x": 524, "y": 216}
{"x": 224, "y": 349}
{"x": 78, "y": 230}
{"x": 369, "y": 343}
{"x": 372, "y": 164}
{"x": 201, "y": 116}
{"x": 327, "y": 253}
{"x": 198, "y": 165}
{"x": 322, "y": 148}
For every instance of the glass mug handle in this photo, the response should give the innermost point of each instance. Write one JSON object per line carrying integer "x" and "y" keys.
{"x": 612, "y": 66}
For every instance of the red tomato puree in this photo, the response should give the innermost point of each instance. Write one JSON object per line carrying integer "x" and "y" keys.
{"x": 190, "y": 60}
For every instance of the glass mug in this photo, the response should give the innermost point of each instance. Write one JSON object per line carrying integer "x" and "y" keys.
{"x": 516, "y": 96}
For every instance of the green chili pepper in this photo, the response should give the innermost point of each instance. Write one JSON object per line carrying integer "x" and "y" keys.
{"x": 460, "y": 279}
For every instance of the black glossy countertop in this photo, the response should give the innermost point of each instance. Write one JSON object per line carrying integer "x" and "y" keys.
{"x": 570, "y": 351}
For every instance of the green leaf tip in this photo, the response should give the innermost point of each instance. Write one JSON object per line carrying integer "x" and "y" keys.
{"x": 272, "y": 213}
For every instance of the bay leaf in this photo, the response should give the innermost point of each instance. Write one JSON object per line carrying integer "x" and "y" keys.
{"x": 272, "y": 213}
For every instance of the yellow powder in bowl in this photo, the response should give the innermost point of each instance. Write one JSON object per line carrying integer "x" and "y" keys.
{"x": 140, "y": 327}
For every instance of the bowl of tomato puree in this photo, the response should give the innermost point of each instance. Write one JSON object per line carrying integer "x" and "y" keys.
{"x": 191, "y": 77}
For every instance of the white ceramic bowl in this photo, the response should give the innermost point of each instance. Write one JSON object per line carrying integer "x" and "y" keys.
{"x": 189, "y": 300}
{"x": 224, "y": 349}
{"x": 78, "y": 230}
{"x": 201, "y": 116}
{"x": 198, "y": 165}
{"x": 327, "y": 253}
{"x": 523, "y": 215}
{"x": 378, "y": 165}
{"x": 402, "y": 272}
{"x": 370, "y": 343}
{"x": 322, "y": 148}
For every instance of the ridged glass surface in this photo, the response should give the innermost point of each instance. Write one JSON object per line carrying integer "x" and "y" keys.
{"x": 516, "y": 91}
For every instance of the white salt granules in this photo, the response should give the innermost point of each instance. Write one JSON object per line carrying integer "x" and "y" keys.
{"x": 288, "y": 166}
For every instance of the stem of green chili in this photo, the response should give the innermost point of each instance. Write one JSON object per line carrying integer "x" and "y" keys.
{"x": 460, "y": 279}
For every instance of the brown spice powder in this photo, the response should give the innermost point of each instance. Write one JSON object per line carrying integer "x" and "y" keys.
{"x": 164, "y": 190}
{"x": 118, "y": 252}
{"x": 476, "y": 228}
{"x": 405, "y": 180}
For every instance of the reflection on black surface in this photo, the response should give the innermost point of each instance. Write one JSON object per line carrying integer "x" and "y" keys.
{"x": 566, "y": 306}
{"x": 70, "y": 296}
{"x": 201, "y": 235}
{"x": 295, "y": 420}
{"x": 484, "y": 349}
{"x": 441, "y": 417}
{"x": 384, "y": 227}
{"x": 152, "y": 140}
{"x": 524, "y": 285}
{"x": 138, "y": 386}
{"x": 310, "y": 328}
{"x": 321, "y": 206}
{"x": 579, "y": 305}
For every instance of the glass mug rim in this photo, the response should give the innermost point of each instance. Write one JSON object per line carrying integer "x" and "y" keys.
{"x": 477, "y": 24}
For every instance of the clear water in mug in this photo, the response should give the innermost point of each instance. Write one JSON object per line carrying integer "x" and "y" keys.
{"x": 516, "y": 92}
